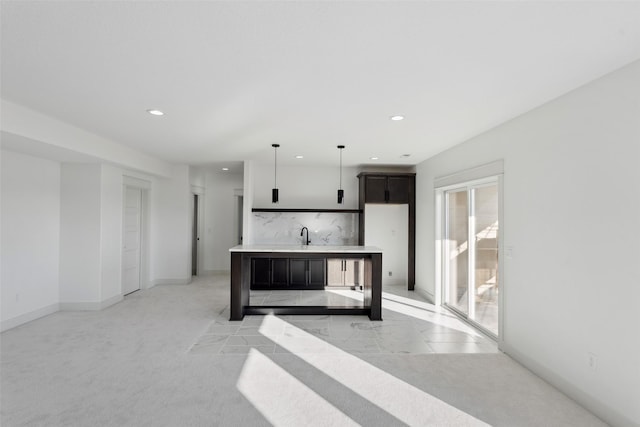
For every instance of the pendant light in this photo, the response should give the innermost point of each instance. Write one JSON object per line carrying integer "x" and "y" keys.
{"x": 274, "y": 191}
{"x": 340, "y": 190}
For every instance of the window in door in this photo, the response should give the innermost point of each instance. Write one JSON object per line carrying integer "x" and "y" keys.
{"x": 470, "y": 249}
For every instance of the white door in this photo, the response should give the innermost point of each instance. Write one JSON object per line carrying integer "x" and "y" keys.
{"x": 131, "y": 240}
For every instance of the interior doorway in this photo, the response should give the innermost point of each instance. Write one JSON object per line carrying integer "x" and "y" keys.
{"x": 132, "y": 240}
{"x": 239, "y": 215}
{"x": 471, "y": 284}
{"x": 195, "y": 237}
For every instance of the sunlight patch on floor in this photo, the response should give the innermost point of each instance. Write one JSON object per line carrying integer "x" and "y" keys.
{"x": 283, "y": 399}
{"x": 413, "y": 308}
{"x": 400, "y": 399}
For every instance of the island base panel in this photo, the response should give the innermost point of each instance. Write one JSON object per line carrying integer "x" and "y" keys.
{"x": 241, "y": 273}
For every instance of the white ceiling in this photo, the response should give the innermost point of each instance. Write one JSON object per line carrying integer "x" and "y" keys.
{"x": 235, "y": 77}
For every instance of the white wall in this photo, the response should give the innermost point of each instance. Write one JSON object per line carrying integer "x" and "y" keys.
{"x": 87, "y": 216}
{"x": 171, "y": 228}
{"x": 91, "y": 236}
{"x": 249, "y": 194}
{"x": 30, "y": 236}
{"x": 80, "y": 234}
{"x": 387, "y": 227}
{"x": 312, "y": 187}
{"x": 571, "y": 210}
{"x": 111, "y": 217}
{"x": 219, "y": 218}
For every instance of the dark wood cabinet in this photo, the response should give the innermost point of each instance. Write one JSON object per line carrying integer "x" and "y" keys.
{"x": 260, "y": 272}
{"x": 398, "y": 189}
{"x": 307, "y": 273}
{"x": 298, "y": 272}
{"x": 245, "y": 263}
{"x": 269, "y": 273}
{"x": 386, "y": 188}
{"x": 284, "y": 273}
{"x": 391, "y": 188}
{"x": 317, "y": 273}
{"x": 279, "y": 272}
{"x": 375, "y": 189}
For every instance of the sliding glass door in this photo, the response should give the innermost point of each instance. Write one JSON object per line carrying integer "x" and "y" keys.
{"x": 457, "y": 286}
{"x": 471, "y": 253}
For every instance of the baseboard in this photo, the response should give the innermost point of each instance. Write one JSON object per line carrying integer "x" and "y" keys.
{"x": 184, "y": 281}
{"x": 213, "y": 272}
{"x": 90, "y": 305}
{"x": 81, "y": 306}
{"x": 5, "y": 325}
{"x": 599, "y": 409}
{"x": 424, "y": 294}
{"x": 111, "y": 301}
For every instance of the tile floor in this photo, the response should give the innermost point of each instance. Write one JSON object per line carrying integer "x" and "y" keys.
{"x": 169, "y": 356}
{"x": 410, "y": 325}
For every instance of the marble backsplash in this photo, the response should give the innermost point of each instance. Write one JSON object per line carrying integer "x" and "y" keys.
{"x": 325, "y": 228}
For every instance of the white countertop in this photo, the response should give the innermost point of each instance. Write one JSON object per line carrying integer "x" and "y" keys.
{"x": 311, "y": 248}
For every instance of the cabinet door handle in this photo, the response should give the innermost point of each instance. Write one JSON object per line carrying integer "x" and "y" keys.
{"x": 386, "y": 195}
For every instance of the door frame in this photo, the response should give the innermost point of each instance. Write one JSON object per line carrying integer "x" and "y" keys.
{"x": 145, "y": 190}
{"x": 441, "y": 249}
{"x": 197, "y": 191}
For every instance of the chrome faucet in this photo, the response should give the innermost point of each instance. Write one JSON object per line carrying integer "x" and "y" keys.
{"x": 307, "y": 241}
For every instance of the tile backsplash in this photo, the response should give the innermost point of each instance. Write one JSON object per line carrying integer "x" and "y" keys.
{"x": 325, "y": 228}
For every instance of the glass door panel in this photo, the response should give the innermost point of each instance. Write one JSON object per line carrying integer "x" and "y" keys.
{"x": 457, "y": 250}
{"x": 485, "y": 268}
{"x": 471, "y": 253}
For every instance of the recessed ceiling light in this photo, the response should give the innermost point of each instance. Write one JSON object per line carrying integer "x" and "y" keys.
{"x": 225, "y": 169}
{"x": 299, "y": 157}
{"x": 374, "y": 158}
{"x": 155, "y": 112}
{"x": 397, "y": 118}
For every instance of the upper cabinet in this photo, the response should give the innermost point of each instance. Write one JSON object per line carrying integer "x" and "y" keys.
{"x": 386, "y": 188}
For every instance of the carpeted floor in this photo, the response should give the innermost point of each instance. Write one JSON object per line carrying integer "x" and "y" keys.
{"x": 168, "y": 356}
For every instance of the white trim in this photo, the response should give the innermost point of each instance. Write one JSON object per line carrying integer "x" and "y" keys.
{"x": 90, "y": 305}
{"x": 201, "y": 232}
{"x": 111, "y": 301}
{"x": 81, "y": 306}
{"x": 145, "y": 230}
{"x": 477, "y": 173}
{"x": 425, "y": 295}
{"x": 7, "y": 324}
{"x": 184, "y": 281}
{"x": 214, "y": 272}
{"x": 488, "y": 180}
{"x": 136, "y": 182}
{"x": 502, "y": 279}
{"x": 439, "y": 259}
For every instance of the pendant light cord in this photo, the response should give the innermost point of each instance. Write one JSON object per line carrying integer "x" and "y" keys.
{"x": 275, "y": 164}
{"x": 340, "y": 147}
{"x": 341, "y": 168}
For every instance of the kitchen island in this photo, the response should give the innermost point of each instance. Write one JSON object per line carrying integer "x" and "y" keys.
{"x": 244, "y": 256}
